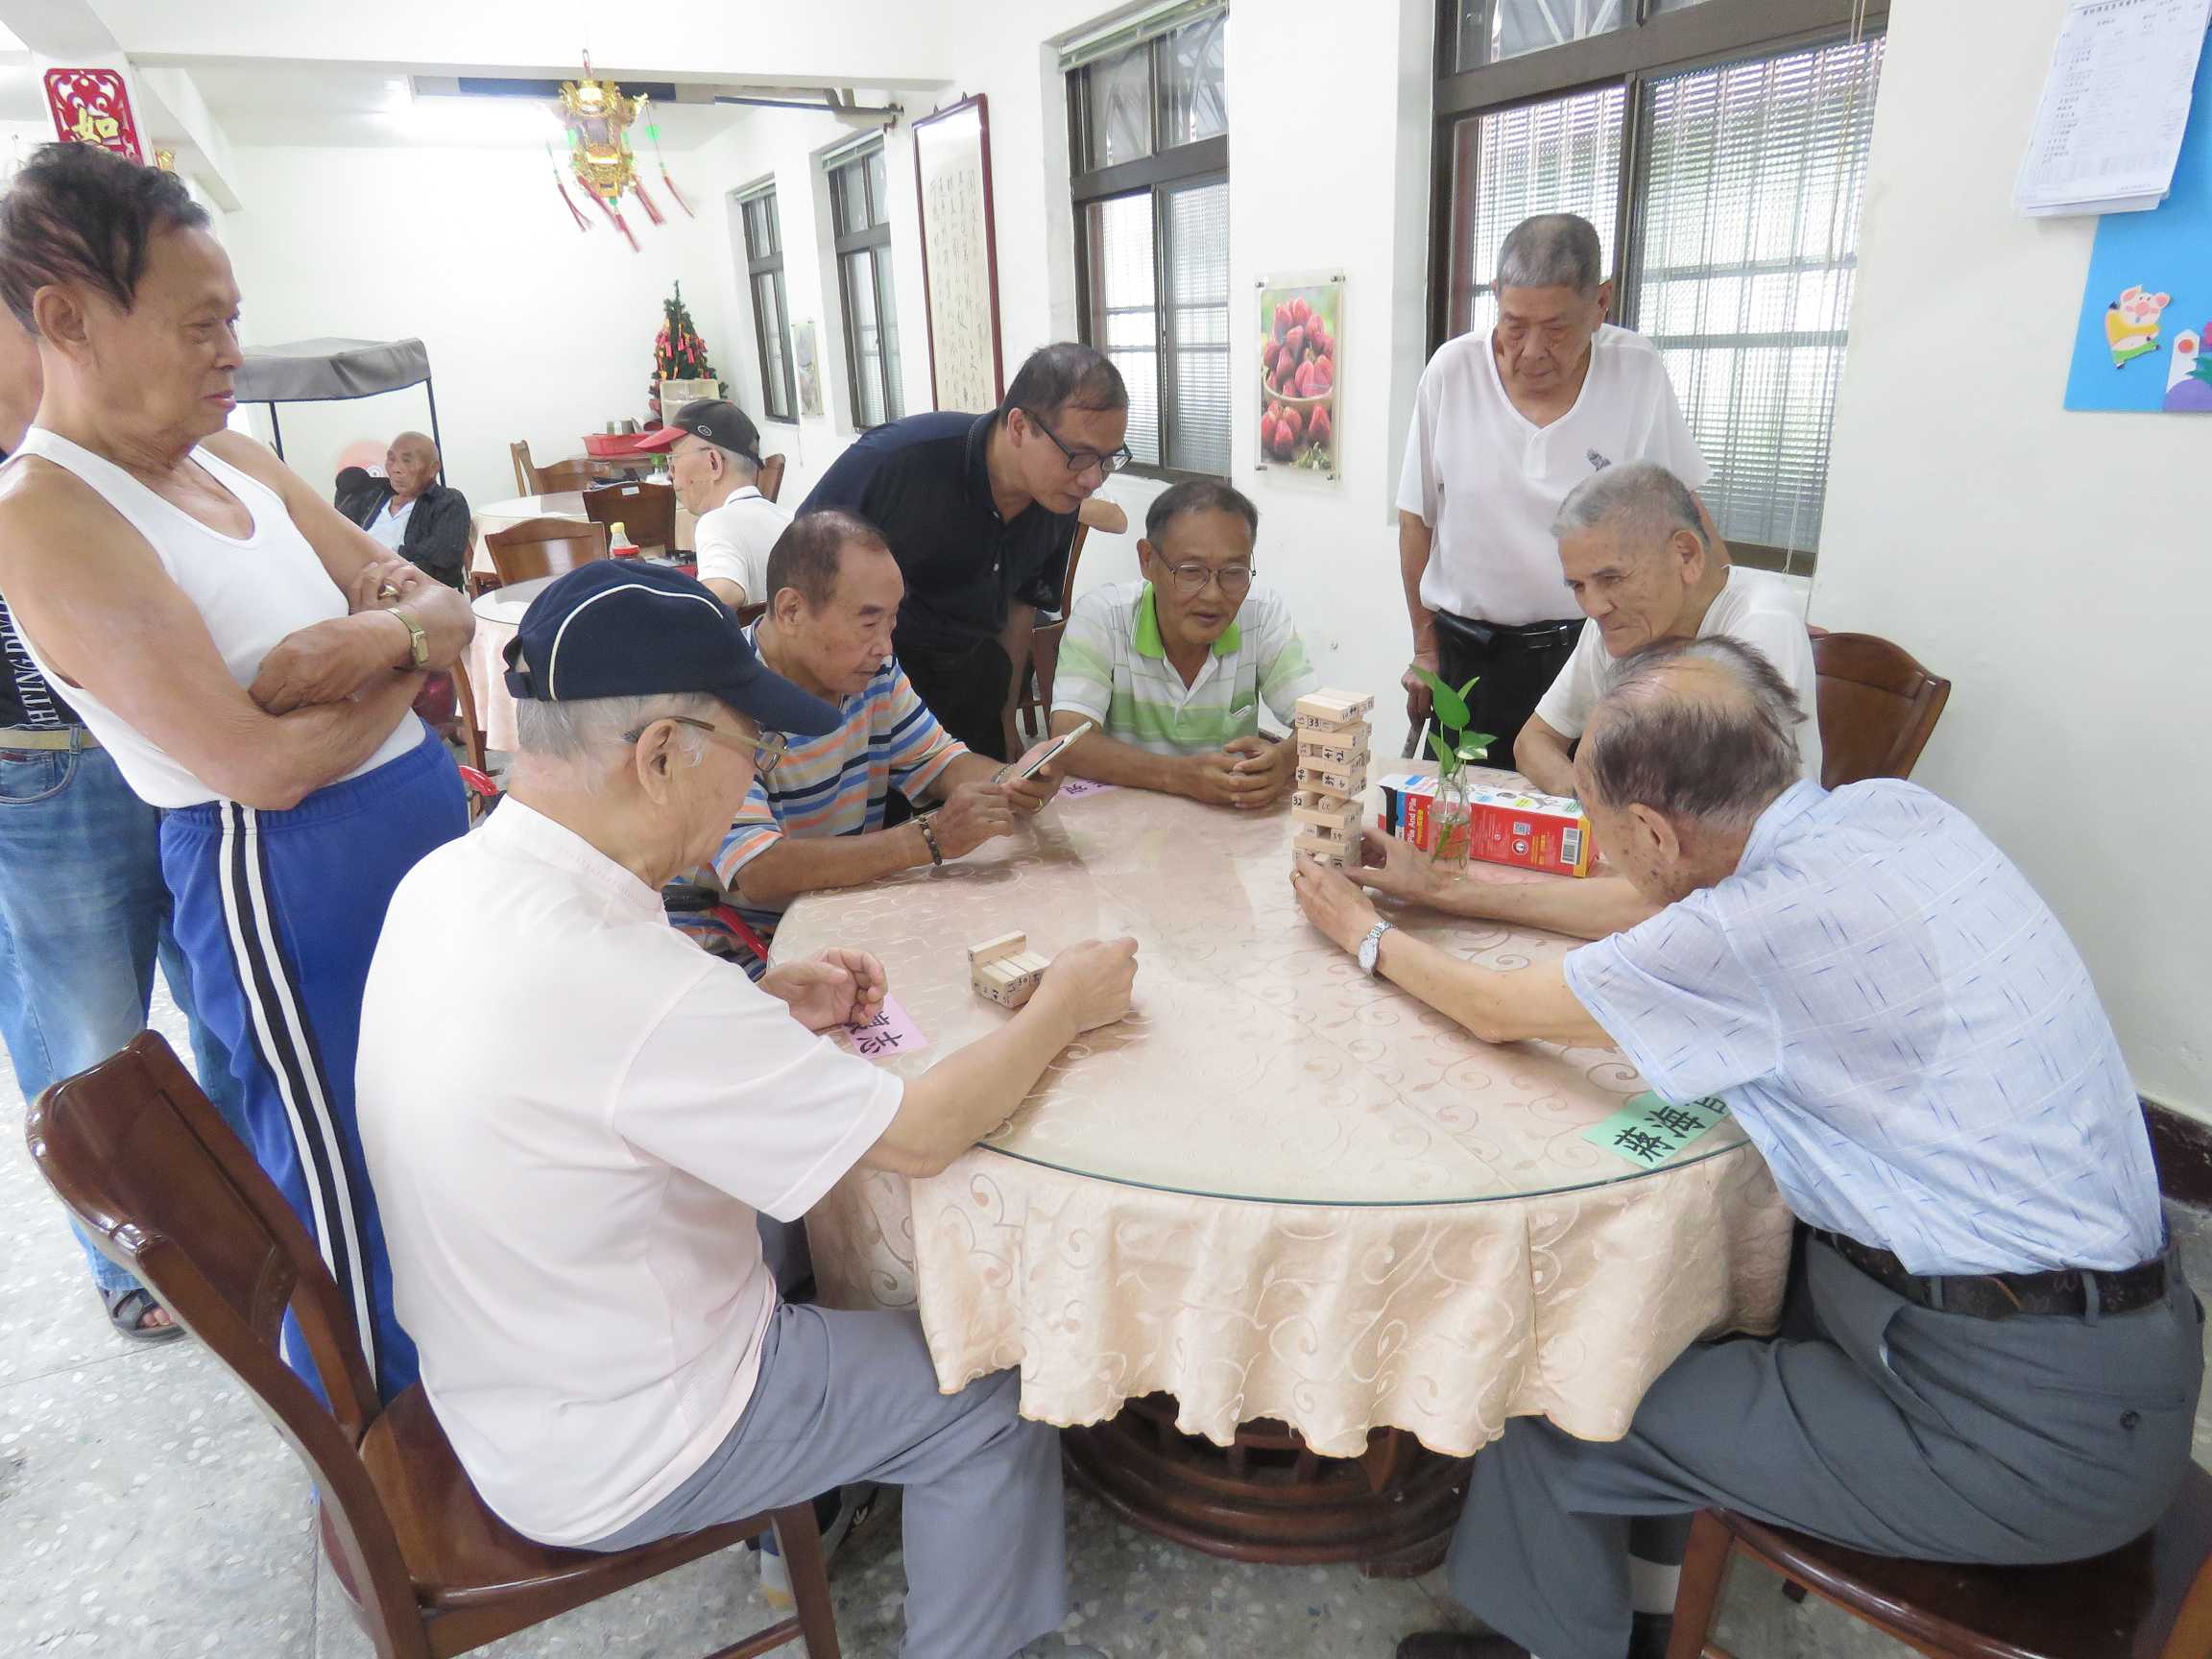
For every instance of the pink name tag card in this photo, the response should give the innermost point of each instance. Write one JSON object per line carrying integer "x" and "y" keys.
{"x": 891, "y": 1031}
{"x": 1075, "y": 788}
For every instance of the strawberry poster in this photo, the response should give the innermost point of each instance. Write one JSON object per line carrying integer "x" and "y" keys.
{"x": 93, "y": 107}
{"x": 1299, "y": 323}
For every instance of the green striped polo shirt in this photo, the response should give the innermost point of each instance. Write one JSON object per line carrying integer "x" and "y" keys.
{"x": 1114, "y": 669}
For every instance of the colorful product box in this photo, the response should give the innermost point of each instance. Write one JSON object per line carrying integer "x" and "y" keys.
{"x": 1530, "y": 832}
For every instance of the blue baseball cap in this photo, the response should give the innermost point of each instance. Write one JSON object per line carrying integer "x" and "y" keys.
{"x": 616, "y": 628}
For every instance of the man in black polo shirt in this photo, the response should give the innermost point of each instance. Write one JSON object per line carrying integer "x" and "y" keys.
{"x": 979, "y": 510}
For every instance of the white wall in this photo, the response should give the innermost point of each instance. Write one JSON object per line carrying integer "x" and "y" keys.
{"x": 536, "y": 330}
{"x": 2053, "y": 564}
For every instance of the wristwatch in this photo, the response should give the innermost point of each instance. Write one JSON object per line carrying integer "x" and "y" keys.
{"x": 418, "y": 641}
{"x": 1371, "y": 947}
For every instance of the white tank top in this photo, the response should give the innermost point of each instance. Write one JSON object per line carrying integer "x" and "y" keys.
{"x": 251, "y": 594}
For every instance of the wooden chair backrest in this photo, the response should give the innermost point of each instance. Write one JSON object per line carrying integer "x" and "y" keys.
{"x": 525, "y": 473}
{"x": 545, "y": 547}
{"x": 163, "y": 1187}
{"x": 1074, "y": 558}
{"x": 647, "y": 510}
{"x": 576, "y": 474}
{"x": 770, "y": 482}
{"x": 465, "y": 714}
{"x": 748, "y": 615}
{"x": 1878, "y": 707}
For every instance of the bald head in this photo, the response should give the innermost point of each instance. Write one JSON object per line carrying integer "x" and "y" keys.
{"x": 411, "y": 464}
{"x": 1701, "y": 731}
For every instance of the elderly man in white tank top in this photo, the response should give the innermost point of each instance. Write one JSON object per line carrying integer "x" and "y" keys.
{"x": 246, "y": 654}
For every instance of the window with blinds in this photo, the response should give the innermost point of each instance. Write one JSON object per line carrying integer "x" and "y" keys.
{"x": 1747, "y": 248}
{"x": 1148, "y": 129}
{"x": 1741, "y": 183}
{"x": 765, "y": 268}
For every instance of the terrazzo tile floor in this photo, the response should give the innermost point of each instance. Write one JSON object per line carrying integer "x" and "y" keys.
{"x": 147, "y": 1511}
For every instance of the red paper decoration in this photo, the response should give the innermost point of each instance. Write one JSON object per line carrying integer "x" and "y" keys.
{"x": 93, "y": 106}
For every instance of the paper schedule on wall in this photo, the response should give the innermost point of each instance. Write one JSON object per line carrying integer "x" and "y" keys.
{"x": 2140, "y": 341}
{"x": 960, "y": 255}
{"x": 2113, "y": 106}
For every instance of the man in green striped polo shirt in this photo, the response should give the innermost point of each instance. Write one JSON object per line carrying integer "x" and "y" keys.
{"x": 1171, "y": 670}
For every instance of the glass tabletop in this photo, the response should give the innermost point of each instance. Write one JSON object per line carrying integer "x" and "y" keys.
{"x": 1257, "y": 1063}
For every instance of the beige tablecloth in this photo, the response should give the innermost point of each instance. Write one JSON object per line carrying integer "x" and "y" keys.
{"x": 1279, "y": 1189}
{"x": 498, "y": 615}
{"x": 561, "y": 504}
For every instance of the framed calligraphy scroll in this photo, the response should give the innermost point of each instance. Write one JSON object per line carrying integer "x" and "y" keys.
{"x": 960, "y": 255}
{"x": 93, "y": 107}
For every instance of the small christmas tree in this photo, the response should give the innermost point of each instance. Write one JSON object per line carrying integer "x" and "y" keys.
{"x": 678, "y": 352}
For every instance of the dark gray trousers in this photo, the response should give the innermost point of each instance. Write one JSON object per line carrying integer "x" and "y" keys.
{"x": 1871, "y": 1422}
{"x": 851, "y": 1397}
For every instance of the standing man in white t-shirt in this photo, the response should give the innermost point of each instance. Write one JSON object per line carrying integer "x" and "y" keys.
{"x": 1638, "y": 561}
{"x": 714, "y": 462}
{"x": 1503, "y": 428}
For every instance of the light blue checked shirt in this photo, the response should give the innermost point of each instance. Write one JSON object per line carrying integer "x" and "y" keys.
{"x": 1905, "y": 1030}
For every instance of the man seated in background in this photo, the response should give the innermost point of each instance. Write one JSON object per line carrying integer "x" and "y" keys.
{"x": 1643, "y": 562}
{"x": 407, "y": 510}
{"x": 573, "y": 1222}
{"x": 817, "y": 821}
{"x": 1988, "y": 1352}
{"x": 1171, "y": 670}
{"x": 714, "y": 462}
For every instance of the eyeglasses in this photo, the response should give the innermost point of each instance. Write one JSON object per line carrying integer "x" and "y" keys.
{"x": 1233, "y": 580}
{"x": 1081, "y": 461}
{"x": 766, "y": 750}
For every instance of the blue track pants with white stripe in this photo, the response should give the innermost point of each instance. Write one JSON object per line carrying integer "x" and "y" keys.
{"x": 279, "y": 914}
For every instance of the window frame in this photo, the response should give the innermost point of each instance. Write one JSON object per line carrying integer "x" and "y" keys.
{"x": 1651, "y": 47}
{"x": 769, "y": 265}
{"x": 1202, "y": 163}
{"x": 874, "y": 240}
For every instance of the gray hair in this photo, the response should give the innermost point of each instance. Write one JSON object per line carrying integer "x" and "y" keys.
{"x": 1552, "y": 251}
{"x": 1685, "y": 747}
{"x": 737, "y": 460}
{"x": 576, "y": 734}
{"x": 1648, "y": 501}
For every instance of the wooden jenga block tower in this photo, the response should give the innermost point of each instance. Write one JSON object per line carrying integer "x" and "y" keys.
{"x": 1331, "y": 730}
{"x": 1006, "y": 969}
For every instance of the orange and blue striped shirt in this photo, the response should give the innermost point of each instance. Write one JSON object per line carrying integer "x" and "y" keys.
{"x": 836, "y": 783}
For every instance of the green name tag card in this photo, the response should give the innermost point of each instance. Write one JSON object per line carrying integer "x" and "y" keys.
{"x": 1648, "y": 1131}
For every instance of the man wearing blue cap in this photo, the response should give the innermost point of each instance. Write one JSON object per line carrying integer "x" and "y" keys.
{"x": 571, "y": 1217}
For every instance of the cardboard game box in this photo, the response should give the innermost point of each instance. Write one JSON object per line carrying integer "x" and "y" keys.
{"x": 1530, "y": 832}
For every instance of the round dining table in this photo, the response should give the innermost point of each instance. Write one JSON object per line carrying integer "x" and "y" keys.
{"x": 558, "y": 504}
{"x": 1283, "y": 1246}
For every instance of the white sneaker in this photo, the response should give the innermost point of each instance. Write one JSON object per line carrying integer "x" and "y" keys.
{"x": 856, "y": 1505}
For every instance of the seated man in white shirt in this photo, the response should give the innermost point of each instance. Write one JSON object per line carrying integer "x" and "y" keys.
{"x": 1643, "y": 562}
{"x": 715, "y": 463}
{"x": 572, "y": 1217}
{"x": 1172, "y": 671}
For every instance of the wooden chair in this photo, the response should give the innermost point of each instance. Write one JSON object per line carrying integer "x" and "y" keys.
{"x": 468, "y": 729}
{"x": 771, "y": 479}
{"x": 545, "y": 547}
{"x": 747, "y": 614}
{"x": 2149, "y": 1600}
{"x": 564, "y": 476}
{"x": 1033, "y": 712}
{"x": 140, "y": 1157}
{"x": 647, "y": 510}
{"x": 1878, "y": 707}
{"x": 525, "y": 473}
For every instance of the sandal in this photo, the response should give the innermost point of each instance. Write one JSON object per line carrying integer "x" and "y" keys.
{"x": 126, "y": 1311}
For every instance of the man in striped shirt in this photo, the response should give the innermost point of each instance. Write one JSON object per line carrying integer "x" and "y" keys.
{"x": 1173, "y": 670}
{"x": 817, "y": 821}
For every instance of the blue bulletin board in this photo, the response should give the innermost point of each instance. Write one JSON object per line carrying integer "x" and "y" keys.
{"x": 2148, "y": 309}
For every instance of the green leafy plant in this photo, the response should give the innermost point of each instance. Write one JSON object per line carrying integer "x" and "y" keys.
{"x": 1464, "y": 747}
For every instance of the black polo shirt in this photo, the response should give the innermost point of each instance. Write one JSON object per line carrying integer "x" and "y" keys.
{"x": 923, "y": 482}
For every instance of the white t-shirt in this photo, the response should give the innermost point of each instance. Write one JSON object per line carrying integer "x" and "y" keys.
{"x": 1488, "y": 482}
{"x": 391, "y": 527}
{"x": 1754, "y": 609}
{"x": 569, "y": 1178}
{"x": 733, "y": 542}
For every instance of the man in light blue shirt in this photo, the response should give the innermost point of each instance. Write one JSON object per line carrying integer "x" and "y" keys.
{"x": 1990, "y": 1354}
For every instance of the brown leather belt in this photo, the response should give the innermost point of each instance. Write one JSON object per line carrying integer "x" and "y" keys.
{"x": 2005, "y": 1295}
{"x": 46, "y": 737}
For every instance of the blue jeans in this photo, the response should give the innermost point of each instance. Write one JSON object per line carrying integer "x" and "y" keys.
{"x": 83, "y": 914}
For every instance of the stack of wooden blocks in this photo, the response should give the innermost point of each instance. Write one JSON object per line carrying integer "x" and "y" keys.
{"x": 1331, "y": 730}
{"x": 1004, "y": 969}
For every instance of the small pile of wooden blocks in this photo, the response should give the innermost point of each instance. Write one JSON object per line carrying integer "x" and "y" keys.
{"x": 1332, "y": 728}
{"x": 1004, "y": 969}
